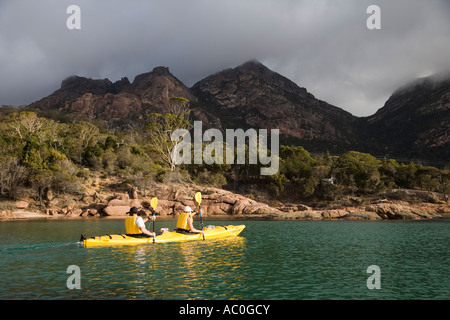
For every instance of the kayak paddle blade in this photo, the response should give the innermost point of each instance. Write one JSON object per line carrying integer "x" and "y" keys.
{"x": 198, "y": 198}
{"x": 154, "y": 203}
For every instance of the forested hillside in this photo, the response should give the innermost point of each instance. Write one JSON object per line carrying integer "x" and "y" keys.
{"x": 41, "y": 155}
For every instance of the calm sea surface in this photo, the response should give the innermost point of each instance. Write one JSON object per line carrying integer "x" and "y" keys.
{"x": 270, "y": 260}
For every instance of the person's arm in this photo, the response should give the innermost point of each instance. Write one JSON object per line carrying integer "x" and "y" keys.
{"x": 144, "y": 230}
{"x": 141, "y": 225}
{"x": 191, "y": 226}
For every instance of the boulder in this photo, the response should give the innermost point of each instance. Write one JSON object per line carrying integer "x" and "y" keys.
{"x": 239, "y": 206}
{"x": 122, "y": 196}
{"x": 313, "y": 215}
{"x": 443, "y": 208}
{"x": 53, "y": 212}
{"x": 21, "y": 204}
{"x": 334, "y": 214}
{"x": 74, "y": 213}
{"x": 116, "y": 210}
{"x": 70, "y": 206}
{"x": 227, "y": 198}
{"x": 218, "y": 208}
{"x": 293, "y": 207}
{"x": 361, "y": 215}
{"x": 402, "y": 211}
{"x": 85, "y": 213}
{"x": 121, "y": 201}
{"x": 248, "y": 206}
{"x": 6, "y": 215}
{"x": 165, "y": 207}
{"x": 134, "y": 203}
{"x": 117, "y": 203}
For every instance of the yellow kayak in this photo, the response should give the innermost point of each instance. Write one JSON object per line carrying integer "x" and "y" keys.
{"x": 211, "y": 232}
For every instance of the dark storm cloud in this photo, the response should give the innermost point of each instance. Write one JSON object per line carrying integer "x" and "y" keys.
{"x": 321, "y": 45}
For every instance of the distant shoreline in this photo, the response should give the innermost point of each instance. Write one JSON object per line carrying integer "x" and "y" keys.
{"x": 35, "y": 216}
{"x": 220, "y": 204}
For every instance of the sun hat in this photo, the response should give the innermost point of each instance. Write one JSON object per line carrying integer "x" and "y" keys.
{"x": 133, "y": 210}
{"x": 187, "y": 209}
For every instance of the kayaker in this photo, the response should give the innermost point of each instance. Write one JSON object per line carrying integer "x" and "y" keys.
{"x": 185, "y": 221}
{"x": 135, "y": 225}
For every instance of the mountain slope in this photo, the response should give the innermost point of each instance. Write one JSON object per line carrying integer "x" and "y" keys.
{"x": 252, "y": 96}
{"x": 415, "y": 121}
{"x": 120, "y": 102}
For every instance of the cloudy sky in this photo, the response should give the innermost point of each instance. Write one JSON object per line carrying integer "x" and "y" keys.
{"x": 322, "y": 45}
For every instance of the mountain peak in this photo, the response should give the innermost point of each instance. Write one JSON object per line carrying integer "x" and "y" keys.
{"x": 76, "y": 81}
{"x": 161, "y": 71}
{"x": 253, "y": 96}
{"x": 415, "y": 119}
{"x": 430, "y": 82}
{"x": 76, "y": 85}
{"x": 252, "y": 64}
{"x": 147, "y": 77}
{"x": 252, "y": 73}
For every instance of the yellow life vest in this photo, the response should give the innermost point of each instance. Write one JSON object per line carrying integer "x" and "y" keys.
{"x": 131, "y": 226}
{"x": 182, "y": 222}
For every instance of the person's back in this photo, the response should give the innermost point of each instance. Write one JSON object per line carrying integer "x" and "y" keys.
{"x": 185, "y": 221}
{"x": 135, "y": 226}
{"x": 131, "y": 226}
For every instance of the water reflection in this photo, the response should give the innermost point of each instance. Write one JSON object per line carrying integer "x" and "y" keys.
{"x": 270, "y": 260}
{"x": 185, "y": 270}
{"x": 197, "y": 270}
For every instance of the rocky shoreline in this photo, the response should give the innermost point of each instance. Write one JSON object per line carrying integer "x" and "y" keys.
{"x": 217, "y": 204}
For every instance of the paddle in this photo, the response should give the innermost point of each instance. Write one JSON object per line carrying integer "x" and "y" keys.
{"x": 153, "y": 204}
{"x": 198, "y": 199}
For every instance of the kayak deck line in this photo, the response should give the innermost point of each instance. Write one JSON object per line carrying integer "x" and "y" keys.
{"x": 213, "y": 232}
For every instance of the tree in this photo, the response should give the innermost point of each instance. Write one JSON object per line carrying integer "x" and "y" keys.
{"x": 41, "y": 181}
{"x": 297, "y": 162}
{"x": 387, "y": 171}
{"x": 16, "y": 128}
{"x": 358, "y": 169}
{"x": 210, "y": 179}
{"x": 31, "y": 154}
{"x": 297, "y": 166}
{"x": 445, "y": 184}
{"x": 11, "y": 175}
{"x": 405, "y": 175}
{"x": 161, "y": 126}
{"x": 26, "y": 123}
{"x": 75, "y": 138}
{"x": 428, "y": 178}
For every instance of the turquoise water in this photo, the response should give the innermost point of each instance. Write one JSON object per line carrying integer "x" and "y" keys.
{"x": 271, "y": 260}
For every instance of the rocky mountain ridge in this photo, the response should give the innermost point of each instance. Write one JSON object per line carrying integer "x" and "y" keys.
{"x": 414, "y": 122}
{"x": 114, "y": 102}
{"x": 253, "y": 96}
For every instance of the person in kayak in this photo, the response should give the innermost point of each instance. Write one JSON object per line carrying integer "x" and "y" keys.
{"x": 135, "y": 225}
{"x": 185, "y": 221}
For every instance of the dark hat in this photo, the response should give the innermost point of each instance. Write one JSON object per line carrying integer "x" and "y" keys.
{"x": 133, "y": 210}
